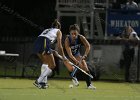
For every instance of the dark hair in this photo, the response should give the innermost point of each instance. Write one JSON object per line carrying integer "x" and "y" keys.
{"x": 74, "y": 27}
{"x": 56, "y": 24}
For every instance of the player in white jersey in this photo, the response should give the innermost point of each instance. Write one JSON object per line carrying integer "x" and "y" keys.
{"x": 43, "y": 50}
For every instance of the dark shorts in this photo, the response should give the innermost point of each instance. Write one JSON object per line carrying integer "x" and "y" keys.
{"x": 77, "y": 54}
{"x": 39, "y": 45}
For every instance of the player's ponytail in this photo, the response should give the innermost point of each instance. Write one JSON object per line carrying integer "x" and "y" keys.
{"x": 74, "y": 27}
{"x": 56, "y": 24}
{"x": 77, "y": 27}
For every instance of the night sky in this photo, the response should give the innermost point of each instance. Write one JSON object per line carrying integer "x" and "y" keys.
{"x": 39, "y": 12}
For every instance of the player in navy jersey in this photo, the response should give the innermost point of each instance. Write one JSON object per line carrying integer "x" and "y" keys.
{"x": 73, "y": 43}
{"x": 43, "y": 50}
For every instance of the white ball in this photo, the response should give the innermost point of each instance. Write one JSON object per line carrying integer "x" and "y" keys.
{"x": 70, "y": 86}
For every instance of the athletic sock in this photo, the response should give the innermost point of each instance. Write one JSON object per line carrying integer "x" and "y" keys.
{"x": 45, "y": 80}
{"x": 88, "y": 79}
{"x": 43, "y": 68}
{"x": 73, "y": 73}
{"x": 44, "y": 74}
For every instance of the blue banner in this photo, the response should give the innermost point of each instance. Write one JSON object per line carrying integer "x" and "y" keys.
{"x": 118, "y": 19}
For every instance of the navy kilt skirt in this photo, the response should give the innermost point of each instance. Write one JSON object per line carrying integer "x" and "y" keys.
{"x": 40, "y": 46}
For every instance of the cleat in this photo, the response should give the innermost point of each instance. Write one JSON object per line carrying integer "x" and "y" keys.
{"x": 91, "y": 87}
{"x": 75, "y": 81}
{"x": 37, "y": 84}
{"x": 44, "y": 85}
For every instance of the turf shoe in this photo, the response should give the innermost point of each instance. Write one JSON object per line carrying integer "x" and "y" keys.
{"x": 75, "y": 81}
{"x": 44, "y": 85}
{"x": 38, "y": 85}
{"x": 91, "y": 87}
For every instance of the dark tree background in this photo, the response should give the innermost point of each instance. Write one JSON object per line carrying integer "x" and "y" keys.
{"x": 39, "y": 12}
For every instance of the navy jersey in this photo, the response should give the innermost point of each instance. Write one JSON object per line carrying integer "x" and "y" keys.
{"x": 75, "y": 46}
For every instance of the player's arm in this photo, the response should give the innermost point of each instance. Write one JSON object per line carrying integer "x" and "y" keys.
{"x": 59, "y": 43}
{"x": 86, "y": 44}
{"x": 69, "y": 52}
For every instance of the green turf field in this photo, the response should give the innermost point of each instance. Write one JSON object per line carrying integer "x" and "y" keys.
{"x": 22, "y": 89}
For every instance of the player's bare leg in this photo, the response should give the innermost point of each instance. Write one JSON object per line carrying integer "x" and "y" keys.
{"x": 83, "y": 66}
{"x": 48, "y": 60}
{"x": 72, "y": 72}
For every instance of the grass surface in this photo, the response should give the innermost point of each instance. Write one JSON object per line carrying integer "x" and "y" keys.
{"x": 22, "y": 89}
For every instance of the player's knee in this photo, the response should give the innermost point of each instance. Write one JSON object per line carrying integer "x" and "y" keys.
{"x": 52, "y": 66}
{"x": 69, "y": 67}
{"x": 84, "y": 68}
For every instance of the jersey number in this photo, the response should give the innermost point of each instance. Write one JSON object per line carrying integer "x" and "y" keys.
{"x": 46, "y": 31}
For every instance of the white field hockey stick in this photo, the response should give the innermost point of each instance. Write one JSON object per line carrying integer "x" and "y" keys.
{"x": 59, "y": 56}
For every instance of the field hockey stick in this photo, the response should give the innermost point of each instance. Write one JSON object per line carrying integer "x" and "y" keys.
{"x": 59, "y": 56}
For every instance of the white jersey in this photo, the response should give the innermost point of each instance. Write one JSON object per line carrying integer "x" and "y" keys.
{"x": 50, "y": 33}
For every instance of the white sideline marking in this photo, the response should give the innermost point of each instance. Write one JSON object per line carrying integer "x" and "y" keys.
{"x": 9, "y": 54}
